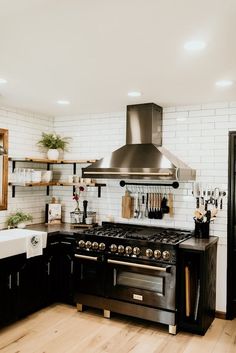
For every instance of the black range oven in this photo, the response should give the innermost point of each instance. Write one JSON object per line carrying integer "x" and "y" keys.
{"x": 130, "y": 270}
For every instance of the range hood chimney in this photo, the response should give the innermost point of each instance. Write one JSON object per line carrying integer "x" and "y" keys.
{"x": 143, "y": 156}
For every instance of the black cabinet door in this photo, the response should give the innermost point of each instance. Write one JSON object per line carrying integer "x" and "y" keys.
{"x": 51, "y": 277}
{"x": 30, "y": 286}
{"x": 66, "y": 276}
{"x": 8, "y": 290}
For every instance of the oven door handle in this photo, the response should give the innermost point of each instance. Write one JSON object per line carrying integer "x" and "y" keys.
{"x": 132, "y": 264}
{"x": 86, "y": 257}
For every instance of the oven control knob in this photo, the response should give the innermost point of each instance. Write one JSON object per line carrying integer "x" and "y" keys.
{"x": 81, "y": 243}
{"x": 88, "y": 244}
{"x": 166, "y": 255}
{"x": 102, "y": 246}
{"x": 157, "y": 254}
{"x": 94, "y": 245}
{"x": 149, "y": 253}
{"x": 121, "y": 249}
{"x": 136, "y": 251}
{"x": 113, "y": 247}
{"x": 128, "y": 250}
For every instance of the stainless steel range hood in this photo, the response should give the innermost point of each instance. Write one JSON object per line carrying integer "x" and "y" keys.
{"x": 143, "y": 156}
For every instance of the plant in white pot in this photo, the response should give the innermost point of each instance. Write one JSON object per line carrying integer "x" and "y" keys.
{"x": 18, "y": 219}
{"x": 53, "y": 143}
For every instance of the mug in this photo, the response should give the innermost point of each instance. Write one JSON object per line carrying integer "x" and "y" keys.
{"x": 89, "y": 220}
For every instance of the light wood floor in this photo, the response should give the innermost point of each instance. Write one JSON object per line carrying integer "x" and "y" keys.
{"x": 61, "y": 329}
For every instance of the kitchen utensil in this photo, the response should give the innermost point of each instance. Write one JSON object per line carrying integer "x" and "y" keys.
{"x": 85, "y": 205}
{"x": 171, "y": 206}
{"x": 146, "y": 208}
{"x": 155, "y": 212}
{"x": 127, "y": 206}
{"x": 136, "y": 206}
{"x": 150, "y": 212}
{"x": 164, "y": 207}
{"x": 142, "y": 206}
{"x": 159, "y": 212}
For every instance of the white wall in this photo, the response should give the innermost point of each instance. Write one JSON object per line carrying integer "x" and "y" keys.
{"x": 24, "y": 131}
{"x": 196, "y": 134}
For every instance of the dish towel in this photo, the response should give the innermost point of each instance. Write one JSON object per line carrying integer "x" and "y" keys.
{"x": 34, "y": 245}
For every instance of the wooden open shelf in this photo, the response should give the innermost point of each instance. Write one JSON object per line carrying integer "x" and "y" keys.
{"x": 54, "y": 183}
{"x": 74, "y": 162}
{"x": 50, "y": 161}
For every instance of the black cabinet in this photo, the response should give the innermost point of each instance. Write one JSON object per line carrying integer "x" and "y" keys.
{"x": 197, "y": 272}
{"x": 8, "y": 290}
{"x": 59, "y": 268}
{"x": 51, "y": 270}
{"x": 30, "y": 286}
{"x": 21, "y": 287}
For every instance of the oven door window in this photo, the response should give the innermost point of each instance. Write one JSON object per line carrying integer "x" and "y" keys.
{"x": 140, "y": 281}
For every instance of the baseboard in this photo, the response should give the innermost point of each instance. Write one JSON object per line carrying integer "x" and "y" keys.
{"x": 220, "y": 315}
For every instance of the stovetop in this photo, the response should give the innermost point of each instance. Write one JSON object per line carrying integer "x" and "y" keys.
{"x": 132, "y": 243}
{"x": 155, "y": 235}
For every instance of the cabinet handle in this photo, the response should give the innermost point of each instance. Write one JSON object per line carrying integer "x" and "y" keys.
{"x": 66, "y": 242}
{"x": 72, "y": 267}
{"x": 114, "y": 277}
{"x": 9, "y": 281}
{"x": 48, "y": 268}
{"x": 18, "y": 279}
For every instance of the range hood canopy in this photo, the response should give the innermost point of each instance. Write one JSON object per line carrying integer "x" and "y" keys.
{"x": 143, "y": 156}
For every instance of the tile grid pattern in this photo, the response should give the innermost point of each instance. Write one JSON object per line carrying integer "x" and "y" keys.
{"x": 24, "y": 131}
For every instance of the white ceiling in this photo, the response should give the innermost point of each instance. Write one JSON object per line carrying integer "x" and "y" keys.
{"x": 92, "y": 52}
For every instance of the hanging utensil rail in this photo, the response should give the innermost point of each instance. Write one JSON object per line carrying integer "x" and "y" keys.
{"x": 174, "y": 185}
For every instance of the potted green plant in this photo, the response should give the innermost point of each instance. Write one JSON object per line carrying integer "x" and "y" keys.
{"x": 53, "y": 143}
{"x": 18, "y": 219}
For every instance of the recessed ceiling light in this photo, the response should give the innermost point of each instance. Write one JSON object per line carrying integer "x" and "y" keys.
{"x": 194, "y": 45}
{"x": 2, "y": 80}
{"x": 224, "y": 83}
{"x": 63, "y": 102}
{"x": 134, "y": 94}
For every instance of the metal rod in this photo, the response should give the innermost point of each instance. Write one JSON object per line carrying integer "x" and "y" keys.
{"x": 132, "y": 264}
{"x": 174, "y": 185}
{"x": 93, "y": 258}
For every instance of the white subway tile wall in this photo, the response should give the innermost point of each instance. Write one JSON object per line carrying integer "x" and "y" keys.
{"x": 24, "y": 131}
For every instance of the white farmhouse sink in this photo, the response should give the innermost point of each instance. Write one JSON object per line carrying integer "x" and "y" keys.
{"x": 13, "y": 241}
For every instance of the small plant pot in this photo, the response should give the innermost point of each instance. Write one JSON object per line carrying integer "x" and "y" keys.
{"x": 21, "y": 225}
{"x": 53, "y": 154}
{"x": 202, "y": 230}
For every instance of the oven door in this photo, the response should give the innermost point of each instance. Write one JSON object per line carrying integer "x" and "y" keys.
{"x": 144, "y": 284}
{"x": 89, "y": 274}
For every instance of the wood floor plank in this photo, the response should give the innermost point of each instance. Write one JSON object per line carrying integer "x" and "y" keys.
{"x": 61, "y": 329}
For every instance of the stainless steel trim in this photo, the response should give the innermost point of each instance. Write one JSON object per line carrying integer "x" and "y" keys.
{"x": 48, "y": 268}
{"x": 72, "y": 267}
{"x": 9, "y": 281}
{"x": 65, "y": 242}
{"x": 107, "y": 313}
{"x": 132, "y": 264}
{"x": 129, "y": 173}
{"x": 172, "y": 329}
{"x": 54, "y": 243}
{"x": 114, "y": 277}
{"x": 18, "y": 279}
{"x": 79, "y": 307}
{"x": 93, "y": 258}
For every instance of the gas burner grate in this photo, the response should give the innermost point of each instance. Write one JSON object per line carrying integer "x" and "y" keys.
{"x": 165, "y": 236}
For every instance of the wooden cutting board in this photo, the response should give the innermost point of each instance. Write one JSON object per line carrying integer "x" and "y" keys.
{"x": 127, "y": 206}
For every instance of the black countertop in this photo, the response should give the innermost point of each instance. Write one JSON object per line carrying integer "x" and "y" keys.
{"x": 64, "y": 228}
{"x": 198, "y": 244}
